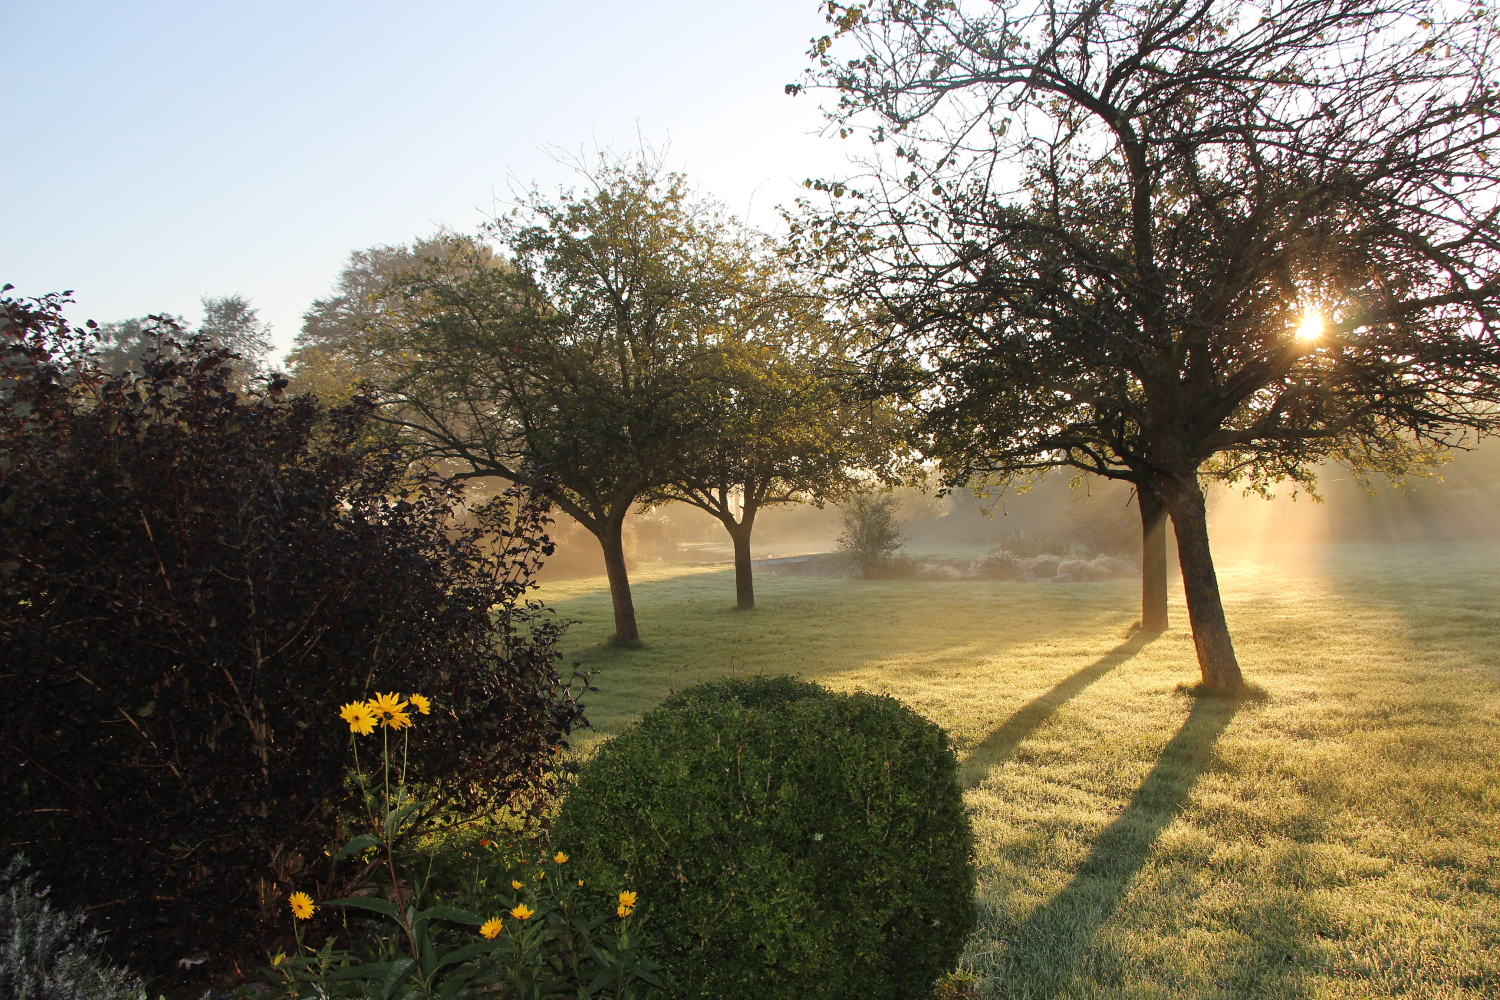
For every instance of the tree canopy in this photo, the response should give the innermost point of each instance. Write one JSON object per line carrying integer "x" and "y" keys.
{"x": 1157, "y": 241}
{"x": 581, "y": 352}
{"x": 780, "y": 422}
{"x": 229, "y": 322}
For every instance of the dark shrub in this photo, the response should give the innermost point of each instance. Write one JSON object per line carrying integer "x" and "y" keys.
{"x": 191, "y": 583}
{"x": 787, "y": 841}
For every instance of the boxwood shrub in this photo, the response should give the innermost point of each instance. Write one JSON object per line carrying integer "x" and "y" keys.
{"x": 785, "y": 841}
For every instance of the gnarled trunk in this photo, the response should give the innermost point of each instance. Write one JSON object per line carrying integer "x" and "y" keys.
{"x": 1153, "y": 559}
{"x": 611, "y": 539}
{"x": 1216, "y": 659}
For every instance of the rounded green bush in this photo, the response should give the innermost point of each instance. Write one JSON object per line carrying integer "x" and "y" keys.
{"x": 786, "y": 841}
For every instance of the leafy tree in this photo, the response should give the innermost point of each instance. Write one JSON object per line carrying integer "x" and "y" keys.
{"x": 1161, "y": 242}
{"x": 229, "y": 322}
{"x": 778, "y": 424}
{"x": 192, "y": 581}
{"x": 333, "y": 354}
{"x": 583, "y": 355}
{"x": 871, "y": 530}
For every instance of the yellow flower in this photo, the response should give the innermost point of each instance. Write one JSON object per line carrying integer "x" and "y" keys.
{"x": 399, "y": 720}
{"x": 490, "y": 928}
{"x": 359, "y": 716}
{"x": 387, "y": 704}
{"x": 560, "y": 858}
{"x": 622, "y": 910}
{"x": 420, "y": 703}
{"x": 627, "y": 899}
{"x": 514, "y": 884}
{"x": 278, "y": 958}
{"x": 580, "y": 883}
{"x": 301, "y": 904}
{"x": 522, "y": 912}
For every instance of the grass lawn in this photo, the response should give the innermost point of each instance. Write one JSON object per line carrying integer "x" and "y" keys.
{"x": 1338, "y": 839}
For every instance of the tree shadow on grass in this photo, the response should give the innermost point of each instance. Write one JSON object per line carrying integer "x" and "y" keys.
{"x": 1001, "y": 743}
{"x": 1057, "y": 936}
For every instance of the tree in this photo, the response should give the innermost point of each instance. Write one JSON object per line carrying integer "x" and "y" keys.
{"x": 332, "y": 355}
{"x": 1161, "y": 242}
{"x": 192, "y": 581}
{"x": 229, "y": 322}
{"x": 777, "y": 425}
{"x": 581, "y": 355}
{"x": 871, "y": 530}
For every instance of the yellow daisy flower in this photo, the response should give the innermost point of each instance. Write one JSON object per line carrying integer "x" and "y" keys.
{"x": 622, "y": 910}
{"x": 387, "y": 704}
{"x": 627, "y": 898}
{"x": 580, "y": 883}
{"x": 515, "y": 885}
{"x": 420, "y": 703}
{"x": 522, "y": 912}
{"x": 302, "y": 905}
{"x": 360, "y": 717}
{"x": 399, "y": 720}
{"x": 490, "y": 928}
{"x": 560, "y": 858}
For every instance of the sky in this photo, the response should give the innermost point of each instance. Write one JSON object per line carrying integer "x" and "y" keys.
{"x": 164, "y": 151}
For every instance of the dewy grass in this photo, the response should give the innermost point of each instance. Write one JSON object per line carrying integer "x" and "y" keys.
{"x": 1336, "y": 838}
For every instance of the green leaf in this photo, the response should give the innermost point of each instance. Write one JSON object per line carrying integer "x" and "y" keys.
{"x": 451, "y": 913}
{"x": 370, "y": 970}
{"x": 464, "y": 954}
{"x": 400, "y": 969}
{"x": 394, "y": 820}
{"x": 360, "y": 843}
{"x": 382, "y": 906}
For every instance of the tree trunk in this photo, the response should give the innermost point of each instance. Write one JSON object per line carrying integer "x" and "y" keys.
{"x": 1216, "y": 659}
{"x": 1153, "y": 559}
{"x": 744, "y": 580}
{"x": 612, "y": 541}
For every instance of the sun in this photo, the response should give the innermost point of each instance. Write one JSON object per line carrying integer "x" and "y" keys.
{"x": 1311, "y": 327}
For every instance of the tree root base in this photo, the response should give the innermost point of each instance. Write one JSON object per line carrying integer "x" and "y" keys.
{"x": 1242, "y": 693}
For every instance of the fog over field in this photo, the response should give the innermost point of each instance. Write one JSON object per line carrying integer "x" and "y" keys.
{"x": 1460, "y": 502}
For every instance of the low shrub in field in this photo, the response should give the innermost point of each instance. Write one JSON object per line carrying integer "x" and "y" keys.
{"x": 47, "y": 954}
{"x": 189, "y": 575}
{"x": 794, "y": 842}
{"x": 872, "y": 532}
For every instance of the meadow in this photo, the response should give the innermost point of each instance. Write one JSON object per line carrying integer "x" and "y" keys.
{"x": 1336, "y": 838}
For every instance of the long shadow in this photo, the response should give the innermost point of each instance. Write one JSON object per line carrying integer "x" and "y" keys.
{"x": 1057, "y": 936}
{"x": 1001, "y": 743}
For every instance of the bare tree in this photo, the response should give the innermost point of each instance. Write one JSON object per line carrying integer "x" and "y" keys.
{"x": 1159, "y": 241}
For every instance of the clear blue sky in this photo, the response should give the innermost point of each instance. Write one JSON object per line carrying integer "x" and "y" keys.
{"x": 161, "y": 151}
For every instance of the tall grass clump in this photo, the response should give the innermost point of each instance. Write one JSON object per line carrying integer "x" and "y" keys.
{"x": 794, "y": 841}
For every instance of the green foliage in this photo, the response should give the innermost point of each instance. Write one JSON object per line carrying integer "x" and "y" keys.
{"x": 585, "y": 354}
{"x": 229, "y": 322}
{"x": 872, "y": 532}
{"x": 551, "y": 939}
{"x": 791, "y": 840}
{"x": 46, "y": 954}
{"x": 189, "y": 578}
